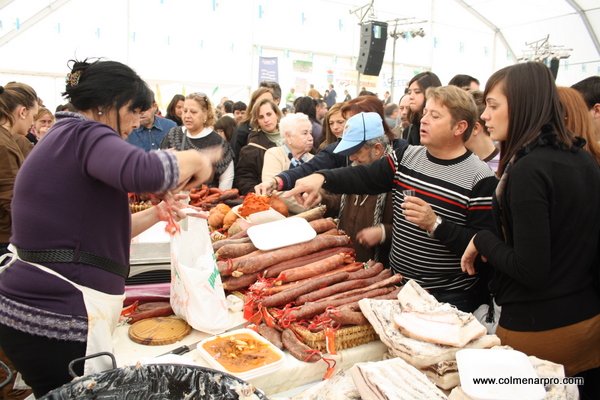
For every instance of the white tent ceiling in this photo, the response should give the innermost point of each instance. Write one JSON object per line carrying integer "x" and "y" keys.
{"x": 215, "y": 44}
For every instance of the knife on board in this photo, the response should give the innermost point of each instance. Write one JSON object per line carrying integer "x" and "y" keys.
{"x": 186, "y": 348}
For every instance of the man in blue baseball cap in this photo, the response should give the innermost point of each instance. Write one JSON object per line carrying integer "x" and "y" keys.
{"x": 367, "y": 218}
{"x": 359, "y": 129}
{"x": 442, "y": 194}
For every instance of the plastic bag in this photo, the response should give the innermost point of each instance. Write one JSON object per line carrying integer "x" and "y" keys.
{"x": 488, "y": 317}
{"x": 197, "y": 293}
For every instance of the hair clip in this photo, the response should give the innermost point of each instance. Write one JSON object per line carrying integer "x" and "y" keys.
{"x": 73, "y": 78}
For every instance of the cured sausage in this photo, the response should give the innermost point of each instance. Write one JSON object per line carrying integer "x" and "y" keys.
{"x": 288, "y": 296}
{"x": 314, "y": 268}
{"x": 235, "y": 250}
{"x": 339, "y": 288}
{"x": 323, "y": 224}
{"x": 344, "y": 268}
{"x": 347, "y": 317}
{"x": 367, "y": 272}
{"x": 313, "y": 213}
{"x": 383, "y": 279}
{"x": 271, "y": 334}
{"x": 309, "y": 310}
{"x": 261, "y": 261}
{"x": 298, "y": 349}
{"x": 275, "y": 270}
{"x": 150, "y": 310}
{"x": 220, "y": 243}
{"x": 232, "y": 283}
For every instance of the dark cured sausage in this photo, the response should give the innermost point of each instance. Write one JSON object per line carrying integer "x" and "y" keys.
{"x": 314, "y": 268}
{"x": 235, "y": 250}
{"x": 385, "y": 280}
{"x": 309, "y": 310}
{"x": 268, "y": 258}
{"x": 393, "y": 295}
{"x": 271, "y": 334}
{"x": 288, "y": 296}
{"x": 339, "y": 288}
{"x": 220, "y": 243}
{"x": 232, "y": 283}
{"x": 275, "y": 270}
{"x": 344, "y": 268}
{"x": 323, "y": 224}
{"x": 298, "y": 349}
{"x": 150, "y": 310}
{"x": 347, "y": 317}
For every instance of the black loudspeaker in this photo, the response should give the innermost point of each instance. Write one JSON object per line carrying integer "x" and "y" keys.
{"x": 373, "y": 36}
{"x": 554, "y": 64}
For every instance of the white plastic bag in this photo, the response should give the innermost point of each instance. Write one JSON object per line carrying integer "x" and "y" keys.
{"x": 197, "y": 293}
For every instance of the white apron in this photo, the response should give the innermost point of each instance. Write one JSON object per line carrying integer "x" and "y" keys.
{"x": 103, "y": 311}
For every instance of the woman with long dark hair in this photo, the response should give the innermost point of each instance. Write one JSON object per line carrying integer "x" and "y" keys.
{"x": 175, "y": 109}
{"x": 62, "y": 292}
{"x": 545, "y": 264}
{"x": 417, "y": 87}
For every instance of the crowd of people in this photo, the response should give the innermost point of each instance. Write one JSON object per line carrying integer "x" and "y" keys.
{"x": 471, "y": 193}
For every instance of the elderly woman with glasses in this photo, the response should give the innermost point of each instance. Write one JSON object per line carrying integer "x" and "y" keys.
{"x": 198, "y": 133}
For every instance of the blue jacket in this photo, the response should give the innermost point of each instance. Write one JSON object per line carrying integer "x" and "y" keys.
{"x": 150, "y": 139}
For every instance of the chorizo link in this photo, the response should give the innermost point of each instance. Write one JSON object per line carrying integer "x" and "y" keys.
{"x": 314, "y": 268}
{"x": 309, "y": 310}
{"x": 220, "y": 243}
{"x": 347, "y": 317}
{"x": 232, "y": 283}
{"x": 275, "y": 270}
{"x": 298, "y": 349}
{"x": 268, "y": 258}
{"x": 290, "y": 295}
{"x": 344, "y": 268}
{"x": 235, "y": 250}
{"x": 338, "y": 288}
{"x": 383, "y": 279}
{"x": 367, "y": 272}
{"x": 271, "y": 334}
{"x": 322, "y": 224}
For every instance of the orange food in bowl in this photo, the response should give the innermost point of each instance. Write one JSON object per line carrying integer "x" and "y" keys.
{"x": 253, "y": 204}
{"x": 241, "y": 352}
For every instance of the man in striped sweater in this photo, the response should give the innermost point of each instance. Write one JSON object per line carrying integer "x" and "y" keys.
{"x": 452, "y": 198}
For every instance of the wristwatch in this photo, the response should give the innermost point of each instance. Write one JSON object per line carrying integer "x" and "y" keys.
{"x": 438, "y": 221}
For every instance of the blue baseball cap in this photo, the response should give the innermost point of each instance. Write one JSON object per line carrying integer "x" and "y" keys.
{"x": 359, "y": 129}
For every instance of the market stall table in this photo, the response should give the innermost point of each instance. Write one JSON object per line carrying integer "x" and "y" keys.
{"x": 293, "y": 373}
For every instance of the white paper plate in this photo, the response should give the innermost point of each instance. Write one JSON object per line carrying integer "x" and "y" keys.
{"x": 253, "y": 373}
{"x": 498, "y": 364}
{"x": 273, "y": 235}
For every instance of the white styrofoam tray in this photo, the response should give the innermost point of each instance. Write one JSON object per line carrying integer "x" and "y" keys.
{"x": 498, "y": 364}
{"x": 285, "y": 232}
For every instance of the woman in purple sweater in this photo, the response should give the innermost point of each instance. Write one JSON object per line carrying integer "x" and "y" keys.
{"x": 62, "y": 292}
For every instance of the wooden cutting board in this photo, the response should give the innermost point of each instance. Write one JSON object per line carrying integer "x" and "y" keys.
{"x": 159, "y": 330}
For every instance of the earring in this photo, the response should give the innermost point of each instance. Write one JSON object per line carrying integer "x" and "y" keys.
{"x": 100, "y": 112}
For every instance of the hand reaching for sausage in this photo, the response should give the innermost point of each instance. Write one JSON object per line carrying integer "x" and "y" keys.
{"x": 306, "y": 190}
{"x": 265, "y": 188}
{"x": 370, "y": 237}
{"x": 419, "y": 212}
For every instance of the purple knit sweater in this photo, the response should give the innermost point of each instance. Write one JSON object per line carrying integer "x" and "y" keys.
{"x": 71, "y": 193}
